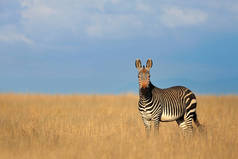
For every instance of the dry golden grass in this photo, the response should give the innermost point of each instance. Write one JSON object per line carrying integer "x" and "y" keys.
{"x": 109, "y": 126}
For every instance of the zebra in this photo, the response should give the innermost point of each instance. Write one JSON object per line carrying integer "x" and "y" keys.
{"x": 176, "y": 103}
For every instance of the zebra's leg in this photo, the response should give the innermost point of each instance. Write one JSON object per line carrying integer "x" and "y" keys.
{"x": 181, "y": 123}
{"x": 191, "y": 104}
{"x": 184, "y": 125}
{"x": 147, "y": 124}
{"x": 188, "y": 121}
{"x": 156, "y": 126}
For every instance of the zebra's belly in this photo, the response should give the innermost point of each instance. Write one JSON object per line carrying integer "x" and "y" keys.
{"x": 166, "y": 117}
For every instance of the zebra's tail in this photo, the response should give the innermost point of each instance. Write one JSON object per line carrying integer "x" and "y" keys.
{"x": 195, "y": 119}
{"x": 201, "y": 127}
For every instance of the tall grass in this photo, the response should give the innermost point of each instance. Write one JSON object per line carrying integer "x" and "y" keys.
{"x": 109, "y": 126}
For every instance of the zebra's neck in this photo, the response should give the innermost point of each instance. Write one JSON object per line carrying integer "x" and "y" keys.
{"x": 146, "y": 93}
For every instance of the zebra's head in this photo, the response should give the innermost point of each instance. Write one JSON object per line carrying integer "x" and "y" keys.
{"x": 143, "y": 73}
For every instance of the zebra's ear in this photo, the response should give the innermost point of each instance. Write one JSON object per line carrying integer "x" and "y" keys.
{"x": 149, "y": 64}
{"x": 138, "y": 64}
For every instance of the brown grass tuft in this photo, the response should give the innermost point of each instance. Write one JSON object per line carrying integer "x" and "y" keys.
{"x": 109, "y": 126}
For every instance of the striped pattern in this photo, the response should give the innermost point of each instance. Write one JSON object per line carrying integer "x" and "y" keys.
{"x": 164, "y": 105}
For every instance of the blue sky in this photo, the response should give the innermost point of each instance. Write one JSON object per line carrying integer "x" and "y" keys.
{"x": 90, "y": 46}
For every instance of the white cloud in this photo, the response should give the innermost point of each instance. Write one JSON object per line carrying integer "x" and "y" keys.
{"x": 114, "y": 25}
{"x": 9, "y": 34}
{"x": 174, "y": 17}
{"x": 37, "y": 12}
{"x": 47, "y": 21}
{"x": 89, "y": 18}
{"x": 234, "y": 7}
{"x": 144, "y": 8}
{"x": 36, "y": 9}
{"x": 15, "y": 37}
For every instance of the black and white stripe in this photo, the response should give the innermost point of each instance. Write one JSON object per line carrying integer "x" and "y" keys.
{"x": 164, "y": 105}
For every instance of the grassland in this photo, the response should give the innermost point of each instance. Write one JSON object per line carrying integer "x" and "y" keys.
{"x": 109, "y": 126}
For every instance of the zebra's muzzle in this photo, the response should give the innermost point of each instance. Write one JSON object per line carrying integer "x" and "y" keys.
{"x": 144, "y": 84}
